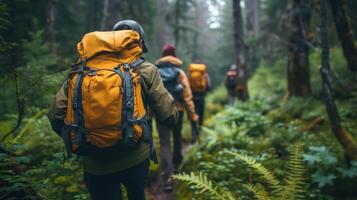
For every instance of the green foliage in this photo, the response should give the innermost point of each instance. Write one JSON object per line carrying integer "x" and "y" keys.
{"x": 292, "y": 188}
{"x": 25, "y": 129}
{"x": 260, "y": 169}
{"x": 58, "y": 177}
{"x": 264, "y": 128}
{"x": 36, "y": 70}
{"x": 4, "y": 22}
{"x": 202, "y": 185}
{"x": 13, "y": 184}
{"x": 325, "y": 169}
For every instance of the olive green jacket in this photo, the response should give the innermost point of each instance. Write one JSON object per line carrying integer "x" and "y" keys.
{"x": 155, "y": 97}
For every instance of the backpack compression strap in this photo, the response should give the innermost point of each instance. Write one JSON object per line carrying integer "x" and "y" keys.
{"x": 128, "y": 110}
{"x": 128, "y": 120}
{"x": 78, "y": 124}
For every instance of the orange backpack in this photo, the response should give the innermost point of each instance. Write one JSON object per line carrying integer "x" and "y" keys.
{"x": 197, "y": 77}
{"x": 105, "y": 107}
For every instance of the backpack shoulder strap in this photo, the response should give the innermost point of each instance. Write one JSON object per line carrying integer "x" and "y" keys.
{"x": 137, "y": 62}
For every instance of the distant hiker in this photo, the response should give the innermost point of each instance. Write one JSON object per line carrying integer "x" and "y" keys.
{"x": 231, "y": 83}
{"x": 200, "y": 83}
{"x": 176, "y": 82}
{"x": 100, "y": 111}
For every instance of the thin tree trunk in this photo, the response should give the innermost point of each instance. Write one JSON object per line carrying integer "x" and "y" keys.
{"x": 343, "y": 137}
{"x": 177, "y": 22}
{"x": 242, "y": 88}
{"x": 344, "y": 32}
{"x": 50, "y": 25}
{"x": 103, "y": 23}
{"x": 93, "y": 19}
{"x": 252, "y": 30}
{"x": 195, "y": 34}
{"x": 298, "y": 75}
{"x": 252, "y": 18}
{"x": 163, "y": 33}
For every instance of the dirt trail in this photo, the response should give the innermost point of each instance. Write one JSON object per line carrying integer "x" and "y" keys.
{"x": 154, "y": 190}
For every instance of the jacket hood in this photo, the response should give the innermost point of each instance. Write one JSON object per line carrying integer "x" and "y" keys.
{"x": 124, "y": 44}
{"x": 170, "y": 59}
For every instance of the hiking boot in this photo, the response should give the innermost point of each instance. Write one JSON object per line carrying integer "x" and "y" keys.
{"x": 168, "y": 185}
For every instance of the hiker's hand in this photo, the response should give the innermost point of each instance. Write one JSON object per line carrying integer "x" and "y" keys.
{"x": 195, "y": 118}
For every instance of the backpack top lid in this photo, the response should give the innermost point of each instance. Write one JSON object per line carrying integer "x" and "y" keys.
{"x": 124, "y": 42}
{"x": 197, "y": 67}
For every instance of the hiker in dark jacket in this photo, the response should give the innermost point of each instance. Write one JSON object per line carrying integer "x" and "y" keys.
{"x": 200, "y": 83}
{"x": 231, "y": 83}
{"x": 104, "y": 173}
{"x": 176, "y": 82}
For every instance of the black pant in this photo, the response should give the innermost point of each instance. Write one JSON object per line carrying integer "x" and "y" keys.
{"x": 107, "y": 187}
{"x": 199, "y": 101}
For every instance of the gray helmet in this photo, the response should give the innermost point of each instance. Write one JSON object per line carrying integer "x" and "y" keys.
{"x": 131, "y": 25}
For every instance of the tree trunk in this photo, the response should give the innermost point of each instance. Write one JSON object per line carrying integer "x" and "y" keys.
{"x": 50, "y": 25}
{"x": 196, "y": 33}
{"x": 343, "y": 137}
{"x": 252, "y": 18}
{"x": 103, "y": 23}
{"x": 163, "y": 33}
{"x": 298, "y": 76}
{"x": 242, "y": 88}
{"x": 252, "y": 30}
{"x": 93, "y": 19}
{"x": 344, "y": 32}
{"x": 177, "y": 22}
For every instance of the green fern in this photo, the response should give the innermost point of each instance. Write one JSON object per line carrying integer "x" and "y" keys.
{"x": 259, "y": 191}
{"x": 201, "y": 184}
{"x": 292, "y": 188}
{"x": 259, "y": 168}
{"x": 294, "y": 182}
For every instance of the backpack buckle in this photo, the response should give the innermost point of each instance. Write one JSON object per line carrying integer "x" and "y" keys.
{"x": 129, "y": 104}
{"x": 92, "y": 72}
{"x": 126, "y": 67}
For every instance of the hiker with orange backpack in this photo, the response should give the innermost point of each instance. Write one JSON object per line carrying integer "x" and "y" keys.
{"x": 176, "y": 82}
{"x": 200, "y": 83}
{"x": 231, "y": 83}
{"x": 100, "y": 111}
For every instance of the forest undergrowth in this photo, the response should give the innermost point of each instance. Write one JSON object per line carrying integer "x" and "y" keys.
{"x": 265, "y": 129}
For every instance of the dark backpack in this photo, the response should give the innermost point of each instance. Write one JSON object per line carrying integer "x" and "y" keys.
{"x": 170, "y": 76}
{"x": 231, "y": 79}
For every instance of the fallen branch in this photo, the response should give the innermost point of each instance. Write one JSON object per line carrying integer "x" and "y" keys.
{"x": 315, "y": 122}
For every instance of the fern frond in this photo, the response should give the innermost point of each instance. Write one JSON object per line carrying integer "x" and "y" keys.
{"x": 201, "y": 184}
{"x": 259, "y": 191}
{"x": 294, "y": 183}
{"x": 259, "y": 168}
{"x": 27, "y": 126}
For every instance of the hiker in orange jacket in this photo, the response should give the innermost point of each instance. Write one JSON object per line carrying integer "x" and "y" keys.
{"x": 176, "y": 82}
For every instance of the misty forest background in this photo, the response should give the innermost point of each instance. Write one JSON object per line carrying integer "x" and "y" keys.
{"x": 292, "y": 135}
